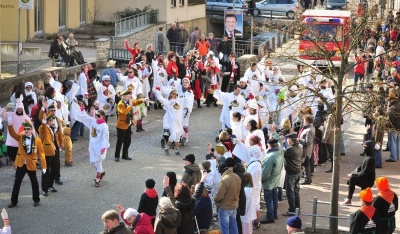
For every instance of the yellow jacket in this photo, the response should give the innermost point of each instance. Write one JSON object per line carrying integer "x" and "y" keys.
{"x": 58, "y": 134}
{"x": 123, "y": 112}
{"x": 47, "y": 139}
{"x": 28, "y": 159}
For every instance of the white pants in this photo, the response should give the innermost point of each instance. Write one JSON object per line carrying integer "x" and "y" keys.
{"x": 247, "y": 227}
{"x": 98, "y": 166}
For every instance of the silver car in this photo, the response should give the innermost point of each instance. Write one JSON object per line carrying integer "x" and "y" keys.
{"x": 217, "y": 7}
{"x": 277, "y": 8}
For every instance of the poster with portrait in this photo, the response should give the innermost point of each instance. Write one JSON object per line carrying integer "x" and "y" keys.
{"x": 233, "y": 23}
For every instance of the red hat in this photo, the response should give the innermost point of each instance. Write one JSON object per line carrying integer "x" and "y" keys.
{"x": 160, "y": 62}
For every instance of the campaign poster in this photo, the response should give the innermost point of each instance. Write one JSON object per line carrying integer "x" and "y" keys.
{"x": 233, "y": 23}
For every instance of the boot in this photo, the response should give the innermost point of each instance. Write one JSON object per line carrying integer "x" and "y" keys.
{"x": 198, "y": 104}
{"x": 141, "y": 127}
{"x": 159, "y": 106}
{"x": 155, "y": 106}
{"x": 137, "y": 128}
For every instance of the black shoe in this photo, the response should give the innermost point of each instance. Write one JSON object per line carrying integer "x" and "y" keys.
{"x": 256, "y": 225}
{"x": 148, "y": 108}
{"x": 52, "y": 189}
{"x": 12, "y": 205}
{"x": 155, "y": 106}
{"x": 215, "y": 104}
{"x": 44, "y": 193}
{"x": 117, "y": 159}
{"x": 208, "y": 105}
{"x": 390, "y": 160}
{"x": 36, "y": 203}
{"x": 73, "y": 140}
{"x": 306, "y": 182}
{"x": 59, "y": 182}
{"x": 199, "y": 106}
{"x": 329, "y": 171}
{"x": 102, "y": 175}
{"x": 264, "y": 221}
{"x": 343, "y": 154}
{"x": 159, "y": 106}
{"x": 126, "y": 158}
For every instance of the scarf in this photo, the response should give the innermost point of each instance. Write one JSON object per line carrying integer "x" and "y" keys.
{"x": 100, "y": 121}
{"x": 369, "y": 211}
{"x": 32, "y": 147}
{"x": 387, "y": 195}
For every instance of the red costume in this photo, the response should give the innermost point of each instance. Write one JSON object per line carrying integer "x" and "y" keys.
{"x": 134, "y": 52}
{"x": 170, "y": 72}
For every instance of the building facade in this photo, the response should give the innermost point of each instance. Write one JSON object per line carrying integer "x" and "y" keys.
{"x": 169, "y": 10}
{"x": 48, "y": 16}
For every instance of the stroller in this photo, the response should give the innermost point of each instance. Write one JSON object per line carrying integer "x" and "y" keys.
{"x": 164, "y": 139}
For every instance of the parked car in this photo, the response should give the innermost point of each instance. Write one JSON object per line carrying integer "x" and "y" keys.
{"x": 217, "y": 7}
{"x": 277, "y": 7}
{"x": 336, "y": 4}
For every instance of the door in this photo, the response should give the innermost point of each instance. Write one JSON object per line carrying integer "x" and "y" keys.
{"x": 62, "y": 18}
{"x": 38, "y": 16}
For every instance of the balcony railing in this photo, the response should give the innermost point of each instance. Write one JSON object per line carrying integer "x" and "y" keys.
{"x": 130, "y": 23}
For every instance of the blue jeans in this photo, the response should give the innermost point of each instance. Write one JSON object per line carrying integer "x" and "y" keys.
{"x": 224, "y": 59}
{"x": 378, "y": 158}
{"x": 227, "y": 221}
{"x": 78, "y": 127}
{"x": 394, "y": 145}
{"x": 342, "y": 148}
{"x": 271, "y": 201}
{"x": 293, "y": 191}
{"x": 358, "y": 77}
{"x": 280, "y": 193}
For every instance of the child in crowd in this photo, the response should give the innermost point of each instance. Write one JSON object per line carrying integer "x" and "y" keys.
{"x": 149, "y": 201}
{"x": 67, "y": 146}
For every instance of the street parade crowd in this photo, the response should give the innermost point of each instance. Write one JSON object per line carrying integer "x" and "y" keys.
{"x": 274, "y": 132}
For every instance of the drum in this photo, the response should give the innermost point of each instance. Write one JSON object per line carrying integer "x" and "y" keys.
{"x": 212, "y": 88}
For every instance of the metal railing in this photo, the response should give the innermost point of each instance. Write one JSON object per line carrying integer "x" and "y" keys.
{"x": 130, "y": 23}
{"x": 314, "y": 214}
{"x": 121, "y": 56}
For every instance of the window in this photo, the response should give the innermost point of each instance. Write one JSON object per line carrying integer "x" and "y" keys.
{"x": 197, "y": 2}
{"x": 323, "y": 32}
{"x": 39, "y": 16}
{"x": 173, "y": 3}
{"x": 62, "y": 17}
{"x": 181, "y": 2}
{"x": 82, "y": 9}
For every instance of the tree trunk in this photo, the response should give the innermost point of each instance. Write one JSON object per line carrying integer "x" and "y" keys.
{"x": 333, "y": 223}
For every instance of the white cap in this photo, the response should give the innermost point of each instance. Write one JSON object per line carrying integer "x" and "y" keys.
{"x": 253, "y": 105}
{"x": 130, "y": 212}
{"x": 28, "y": 84}
{"x": 105, "y": 77}
{"x": 261, "y": 103}
{"x": 293, "y": 88}
{"x": 243, "y": 79}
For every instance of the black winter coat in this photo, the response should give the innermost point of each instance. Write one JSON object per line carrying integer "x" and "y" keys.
{"x": 239, "y": 170}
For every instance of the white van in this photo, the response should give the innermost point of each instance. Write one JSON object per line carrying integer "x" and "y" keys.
{"x": 336, "y": 4}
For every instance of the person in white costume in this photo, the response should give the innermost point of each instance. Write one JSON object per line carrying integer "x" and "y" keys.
{"x": 105, "y": 95}
{"x": 250, "y": 212}
{"x": 184, "y": 91}
{"x": 160, "y": 78}
{"x": 146, "y": 73}
{"x": 231, "y": 102}
{"x": 98, "y": 140}
{"x": 82, "y": 82}
{"x": 167, "y": 88}
{"x": 254, "y": 77}
{"x": 131, "y": 81}
{"x": 173, "y": 117}
{"x": 236, "y": 125}
{"x": 252, "y": 130}
{"x": 293, "y": 101}
{"x": 252, "y": 155}
{"x": 246, "y": 90}
{"x": 61, "y": 103}
{"x": 30, "y": 95}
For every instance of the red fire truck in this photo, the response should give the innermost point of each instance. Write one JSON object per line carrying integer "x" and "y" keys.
{"x": 326, "y": 29}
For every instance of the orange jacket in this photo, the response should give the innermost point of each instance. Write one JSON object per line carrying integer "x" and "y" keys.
{"x": 123, "y": 112}
{"x": 202, "y": 47}
{"x": 28, "y": 159}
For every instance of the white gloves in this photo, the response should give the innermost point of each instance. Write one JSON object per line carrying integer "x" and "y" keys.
{"x": 4, "y": 214}
{"x": 377, "y": 146}
{"x": 44, "y": 171}
{"x": 220, "y": 55}
{"x": 9, "y": 117}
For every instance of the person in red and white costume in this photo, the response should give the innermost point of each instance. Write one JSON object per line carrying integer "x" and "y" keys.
{"x": 184, "y": 91}
{"x": 160, "y": 78}
{"x": 105, "y": 95}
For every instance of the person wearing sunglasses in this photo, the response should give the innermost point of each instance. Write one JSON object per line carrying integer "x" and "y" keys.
{"x": 29, "y": 149}
{"x": 98, "y": 138}
{"x": 124, "y": 123}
